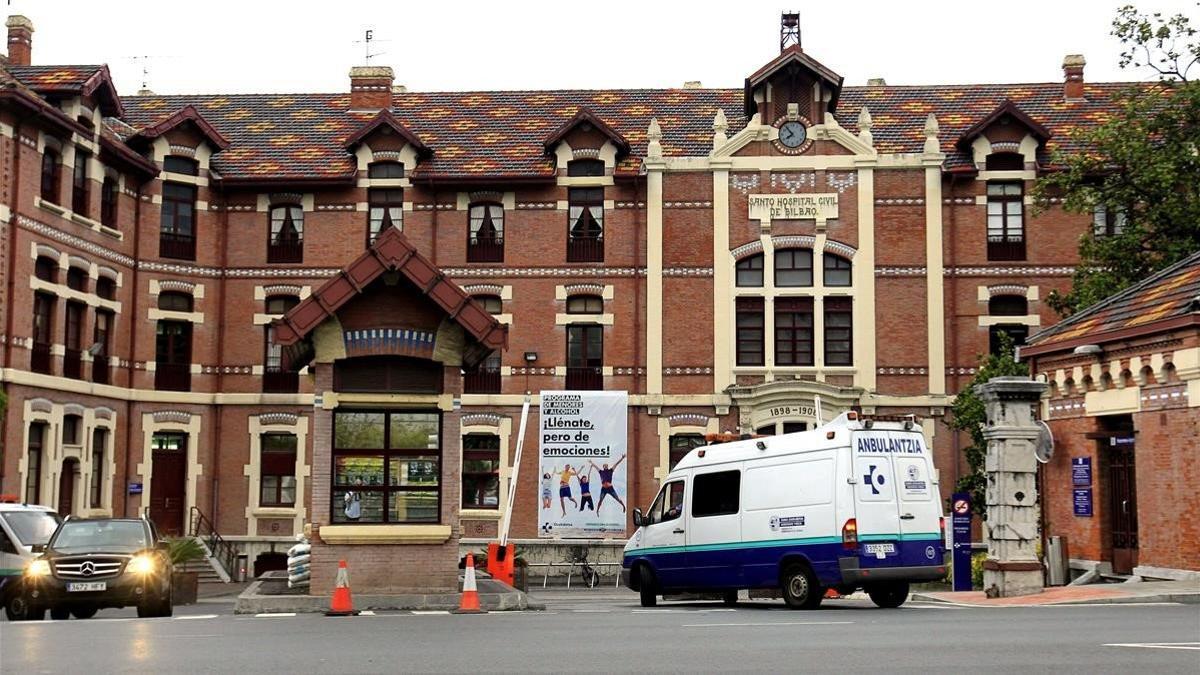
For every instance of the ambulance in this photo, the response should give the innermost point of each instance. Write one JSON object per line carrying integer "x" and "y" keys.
{"x": 851, "y": 504}
{"x": 24, "y": 531}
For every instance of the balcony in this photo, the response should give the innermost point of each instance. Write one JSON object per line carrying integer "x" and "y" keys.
{"x": 585, "y": 248}
{"x": 173, "y": 376}
{"x": 481, "y": 381}
{"x": 485, "y": 250}
{"x": 39, "y": 358}
{"x": 100, "y": 369}
{"x": 180, "y": 246}
{"x": 73, "y": 364}
{"x": 1005, "y": 249}
{"x": 291, "y": 251}
{"x": 279, "y": 381}
{"x": 586, "y": 378}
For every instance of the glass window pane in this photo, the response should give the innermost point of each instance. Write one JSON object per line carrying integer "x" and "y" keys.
{"x": 358, "y": 506}
{"x": 358, "y": 470}
{"x": 358, "y": 430}
{"x": 414, "y": 431}
{"x": 414, "y": 507}
{"x": 413, "y": 471}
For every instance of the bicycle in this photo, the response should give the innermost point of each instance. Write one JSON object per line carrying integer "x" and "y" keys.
{"x": 579, "y": 556}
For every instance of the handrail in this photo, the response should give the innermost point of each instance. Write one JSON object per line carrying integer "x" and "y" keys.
{"x": 203, "y": 528}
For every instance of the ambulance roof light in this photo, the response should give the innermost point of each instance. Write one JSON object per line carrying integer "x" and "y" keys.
{"x": 851, "y": 415}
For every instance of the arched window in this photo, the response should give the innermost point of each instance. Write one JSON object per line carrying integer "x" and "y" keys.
{"x": 281, "y": 304}
{"x": 485, "y": 238}
{"x": 585, "y": 167}
{"x": 286, "y": 237}
{"x": 106, "y": 288}
{"x": 837, "y": 270}
{"x": 491, "y": 303}
{"x": 385, "y": 170}
{"x": 585, "y": 304}
{"x": 77, "y": 279}
{"x": 1005, "y": 161}
{"x": 1007, "y": 305}
{"x": 750, "y": 271}
{"x": 174, "y": 301}
{"x": 51, "y": 166}
{"x": 794, "y": 267}
{"x": 45, "y": 268}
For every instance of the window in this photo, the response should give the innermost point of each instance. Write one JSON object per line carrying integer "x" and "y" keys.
{"x": 71, "y": 426}
{"x": 1108, "y": 222}
{"x": 750, "y": 271}
{"x": 385, "y": 209}
{"x": 1005, "y": 221}
{"x": 183, "y": 165}
{"x": 385, "y": 170}
{"x": 716, "y": 494}
{"x": 108, "y": 202}
{"x": 585, "y": 225}
{"x": 100, "y": 340}
{"x": 281, "y": 304}
{"x": 390, "y": 374}
{"x": 1005, "y": 161}
{"x": 285, "y": 240}
{"x": 106, "y": 288}
{"x": 485, "y": 239}
{"x": 839, "y": 323}
{"x": 45, "y": 269}
{"x": 794, "y": 267}
{"x": 174, "y": 301}
{"x": 585, "y": 356}
{"x": 73, "y": 354}
{"x": 768, "y": 430}
{"x": 33, "y": 462}
{"x": 77, "y": 279}
{"x": 1007, "y": 305}
{"x": 277, "y": 379}
{"x": 173, "y": 356}
{"x": 585, "y": 167}
{"x": 751, "y": 325}
{"x": 481, "y": 471}
{"x": 51, "y": 166}
{"x": 177, "y": 232}
{"x": 490, "y": 303}
{"x": 386, "y": 467}
{"x": 277, "y": 473}
{"x": 837, "y": 270}
{"x": 793, "y": 331}
{"x": 79, "y": 183}
{"x": 43, "y": 332}
{"x": 96, "y": 486}
{"x": 669, "y": 504}
{"x": 585, "y": 304}
{"x": 680, "y": 445}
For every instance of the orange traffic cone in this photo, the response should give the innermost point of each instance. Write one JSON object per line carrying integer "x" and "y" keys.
{"x": 470, "y": 595}
{"x": 341, "y": 604}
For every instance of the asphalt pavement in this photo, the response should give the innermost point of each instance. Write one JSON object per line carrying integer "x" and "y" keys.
{"x": 605, "y": 630}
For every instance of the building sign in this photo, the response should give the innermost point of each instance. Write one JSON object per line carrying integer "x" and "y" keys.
{"x": 815, "y": 206}
{"x": 961, "y": 535}
{"x": 778, "y": 411}
{"x": 135, "y": 488}
{"x": 581, "y": 464}
{"x": 1082, "y": 498}
{"x": 1081, "y": 471}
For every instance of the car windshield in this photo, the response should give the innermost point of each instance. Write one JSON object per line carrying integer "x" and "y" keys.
{"x": 101, "y": 535}
{"x": 32, "y": 527}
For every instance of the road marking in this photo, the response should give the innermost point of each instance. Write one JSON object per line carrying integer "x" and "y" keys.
{"x": 768, "y": 623}
{"x": 706, "y": 611}
{"x": 1157, "y": 645}
{"x": 366, "y": 612}
{"x": 952, "y": 607}
{"x": 430, "y": 612}
{"x": 591, "y": 611}
{"x": 195, "y": 616}
{"x": 659, "y": 611}
{"x": 273, "y": 615}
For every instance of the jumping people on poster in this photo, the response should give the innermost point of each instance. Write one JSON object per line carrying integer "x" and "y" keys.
{"x": 564, "y": 488}
{"x": 585, "y": 488}
{"x": 547, "y": 483}
{"x": 606, "y": 483}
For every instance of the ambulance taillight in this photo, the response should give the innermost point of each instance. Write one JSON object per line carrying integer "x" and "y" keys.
{"x": 850, "y": 534}
{"x": 942, "y": 527}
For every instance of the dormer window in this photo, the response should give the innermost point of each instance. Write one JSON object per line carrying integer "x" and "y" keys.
{"x": 1005, "y": 161}
{"x": 285, "y": 239}
{"x": 51, "y": 165}
{"x": 184, "y": 165}
{"x": 585, "y": 167}
{"x": 385, "y": 170}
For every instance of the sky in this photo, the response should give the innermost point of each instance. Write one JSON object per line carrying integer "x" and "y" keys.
{"x": 306, "y": 46}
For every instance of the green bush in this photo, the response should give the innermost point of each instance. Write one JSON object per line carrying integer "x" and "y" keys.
{"x": 977, "y": 569}
{"x": 184, "y": 550}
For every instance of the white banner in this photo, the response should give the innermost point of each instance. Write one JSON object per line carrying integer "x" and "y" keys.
{"x": 581, "y": 462}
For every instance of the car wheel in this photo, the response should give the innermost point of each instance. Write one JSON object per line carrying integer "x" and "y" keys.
{"x": 60, "y": 613}
{"x": 800, "y": 588}
{"x": 889, "y": 595}
{"x": 648, "y": 589}
{"x": 84, "y": 612}
{"x": 166, "y": 607}
{"x": 730, "y": 597}
{"x": 17, "y": 608}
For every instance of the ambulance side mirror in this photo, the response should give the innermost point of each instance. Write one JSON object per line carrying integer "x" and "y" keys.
{"x": 637, "y": 518}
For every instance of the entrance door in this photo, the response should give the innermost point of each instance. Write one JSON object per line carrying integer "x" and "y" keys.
{"x": 66, "y": 486}
{"x": 1122, "y": 490}
{"x": 167, "y": 486}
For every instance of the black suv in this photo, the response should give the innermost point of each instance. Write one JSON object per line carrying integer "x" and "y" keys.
{"x": 92, "y": 563}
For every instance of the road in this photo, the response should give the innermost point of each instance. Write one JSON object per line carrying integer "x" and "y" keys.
{"x": 606, "y": 631}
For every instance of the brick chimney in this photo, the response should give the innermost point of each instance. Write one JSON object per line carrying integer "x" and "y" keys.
{"x": 371, "y": 87}
{"x": 20, "y": 40}
{"x": 1073, "y": 76}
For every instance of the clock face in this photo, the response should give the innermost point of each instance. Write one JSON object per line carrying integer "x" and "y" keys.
{"x": 793, "y": 134}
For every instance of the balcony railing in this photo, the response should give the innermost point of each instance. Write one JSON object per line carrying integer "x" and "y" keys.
{"x": 100, "y": 369}
{"x": 179, "y": 246}
{"x": 285, "y": 251}
{"x": 1006, "y": 249}
{"x": 585, "y": 249}
{"x": 73, "y": 364}
{"x": 279, "y": 381}
{"x": 39, "y": 358}
{"x": 588, "y": 378}
{"x": 173, "y": 376}
{"x": 485, "y": 250}
{"x": 481, "y": 381}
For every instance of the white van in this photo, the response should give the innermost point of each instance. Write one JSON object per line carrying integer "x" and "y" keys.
{"x": 24, "y": 531}
{"x": 851, "y": 504}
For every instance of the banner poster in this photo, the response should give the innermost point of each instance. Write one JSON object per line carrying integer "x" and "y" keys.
{"x": 582, "y": 464}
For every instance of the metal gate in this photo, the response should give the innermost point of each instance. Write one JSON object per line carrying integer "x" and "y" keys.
{"x": 1122, "y": 507}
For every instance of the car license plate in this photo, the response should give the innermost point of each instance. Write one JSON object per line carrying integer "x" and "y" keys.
{"x": 87, "y": 586}
{"x": 881, "y": 550}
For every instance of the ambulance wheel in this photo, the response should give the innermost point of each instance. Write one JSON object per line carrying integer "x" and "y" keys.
{"x": 730, "y": 598}
{"x": 800, "y": 588}
{"x": 889, "y": 595}
{"x": 17, "y": 608}
{"x": 646, "y": 587}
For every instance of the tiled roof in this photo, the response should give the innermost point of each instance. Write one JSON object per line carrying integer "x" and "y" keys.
{"x": 64, "y": 79}
{"x": 1173, "y": 293}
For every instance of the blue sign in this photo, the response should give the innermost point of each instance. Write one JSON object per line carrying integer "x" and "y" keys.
{"x": 960, "y": 506}
{"x": 1081, "y": 471}
{"x": 1120, "y": 440}
{"x": 135, "y": 488}
{"x": 1083, "y": 502}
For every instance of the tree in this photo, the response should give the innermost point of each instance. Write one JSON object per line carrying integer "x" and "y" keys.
{"x": 1141, "y": 166}
{"x": 969, "y": 416}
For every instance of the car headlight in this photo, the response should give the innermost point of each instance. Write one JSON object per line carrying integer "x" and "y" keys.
{"x": 38, "y": 568}
{"x": 142, "y": 564}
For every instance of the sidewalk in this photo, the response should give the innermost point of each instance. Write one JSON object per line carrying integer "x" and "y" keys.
{"x": 1186, "y": 592}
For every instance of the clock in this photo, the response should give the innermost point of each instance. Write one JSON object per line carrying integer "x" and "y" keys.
{"x": 793, "y": 134}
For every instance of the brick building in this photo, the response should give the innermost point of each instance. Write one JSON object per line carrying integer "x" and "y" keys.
{"x": 724, "y": 255}
{"x": 1124, "y": 380}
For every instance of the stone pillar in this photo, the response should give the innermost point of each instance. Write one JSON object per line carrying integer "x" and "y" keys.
{"x": 1012, "y": 567}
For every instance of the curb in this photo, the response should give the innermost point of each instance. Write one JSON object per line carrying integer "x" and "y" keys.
{"x": 251, "y": 601}
{"x": 1181, "y": 598}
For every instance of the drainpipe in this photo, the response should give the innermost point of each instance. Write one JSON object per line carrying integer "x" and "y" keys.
{"x": 12, "y": 278}
{"x": 223, "y": 284}
{"x": 133, "y": 332}
{"x": 638, "y": 381}
{"x": 953, "y": 295}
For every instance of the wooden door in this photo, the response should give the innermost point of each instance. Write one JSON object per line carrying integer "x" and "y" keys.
{"x": 66, "y": 487}
{"x": 167, "y": 483}
{"x": 1122, "y": 490}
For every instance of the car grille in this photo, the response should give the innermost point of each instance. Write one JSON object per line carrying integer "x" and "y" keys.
{"x": 88, "y": 568}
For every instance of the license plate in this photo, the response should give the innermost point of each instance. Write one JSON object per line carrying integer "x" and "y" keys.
{"x": 880, "y": 550}
{"x": 87, "y": 586}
